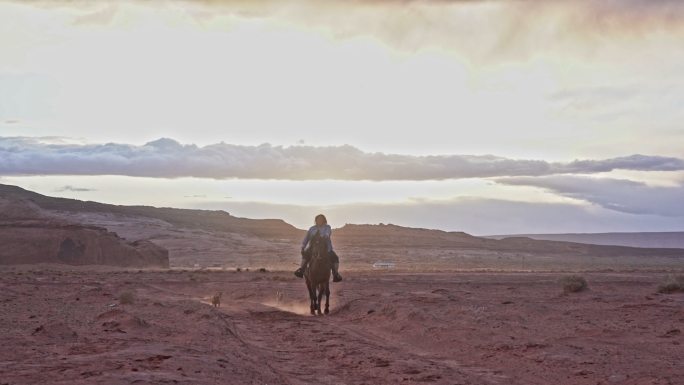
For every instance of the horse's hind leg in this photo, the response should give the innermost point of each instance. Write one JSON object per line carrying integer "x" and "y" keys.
{"x": 327, "y": 298}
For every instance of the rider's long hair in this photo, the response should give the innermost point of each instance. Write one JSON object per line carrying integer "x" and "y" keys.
{"x": 321, "y": 216}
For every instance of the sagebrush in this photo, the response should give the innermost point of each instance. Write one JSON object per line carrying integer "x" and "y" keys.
{"x": 672, "y": 284}
{"x": 127, "y": 297}
{"x": 574, "y": 283}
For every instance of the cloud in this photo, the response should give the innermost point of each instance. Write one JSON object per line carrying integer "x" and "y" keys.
{"x": 167, "y": 158}
{"x": 74, "y": 189}
{"x": 614, "y": 194}
{"x": 633, "y": 162}
{"x": 473, "y": 215}
{"x": 483, "y": 29}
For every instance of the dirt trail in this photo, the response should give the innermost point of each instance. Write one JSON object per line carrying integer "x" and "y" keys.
{"x": 297, "y": 348}
{"x": 305, "y": 350}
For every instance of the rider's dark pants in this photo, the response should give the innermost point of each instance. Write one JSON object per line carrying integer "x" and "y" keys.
{"x": 306, "y": 254}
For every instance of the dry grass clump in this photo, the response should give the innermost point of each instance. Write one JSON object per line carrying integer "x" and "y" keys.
{"x": 573, "y": 283}
{"x": 281, "y": 278}
{"x": 127, "y": 298}
{"x": 672, "y": 284}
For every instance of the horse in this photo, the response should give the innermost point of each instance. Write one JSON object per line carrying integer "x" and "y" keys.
{"x": 317, "y": 275}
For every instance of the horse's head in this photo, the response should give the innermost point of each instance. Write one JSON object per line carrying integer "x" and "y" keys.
{"x": 319, "y": 247}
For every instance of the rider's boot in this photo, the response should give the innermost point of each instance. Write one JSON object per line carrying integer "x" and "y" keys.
{"x": 300, "y": 272}
{"x": 336, "y": 274}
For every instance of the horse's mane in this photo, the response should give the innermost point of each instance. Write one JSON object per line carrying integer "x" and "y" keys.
{"x": 318, "y": 244}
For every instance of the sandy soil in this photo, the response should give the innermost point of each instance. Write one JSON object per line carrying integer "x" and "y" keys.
{"x": 70, "y": 327}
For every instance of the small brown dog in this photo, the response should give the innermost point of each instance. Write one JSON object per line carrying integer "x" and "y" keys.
{"x": 216, "y": 299}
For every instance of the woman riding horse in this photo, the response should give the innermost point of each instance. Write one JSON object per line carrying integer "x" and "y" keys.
{"x": 323, "y": 229}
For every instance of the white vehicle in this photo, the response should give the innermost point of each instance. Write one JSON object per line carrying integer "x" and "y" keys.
{"x": 384, "y": 265}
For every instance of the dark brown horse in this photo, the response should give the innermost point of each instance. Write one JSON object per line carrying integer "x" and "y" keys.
{"x": 317, "y": 275}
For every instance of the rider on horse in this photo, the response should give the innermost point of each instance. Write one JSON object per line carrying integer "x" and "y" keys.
{"x": 323, "y": 229}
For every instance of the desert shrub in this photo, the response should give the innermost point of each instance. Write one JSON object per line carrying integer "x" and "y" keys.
{"x": 281, "y": 278}
{"x": 127, "y": 297}
{"x": 672, "y": 284}
{"x": 239, "y": 269}
{"x": 262, "y": 270}
{"x": 573, "y": 283}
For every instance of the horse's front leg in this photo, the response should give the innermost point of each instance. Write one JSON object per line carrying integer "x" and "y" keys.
{"x": 321, "y": 291}
{"x": 312, "y": 298}
{"x": 314, "y": 306}
{"x": 317, "y": 300}
{"x": 327, "y": 298}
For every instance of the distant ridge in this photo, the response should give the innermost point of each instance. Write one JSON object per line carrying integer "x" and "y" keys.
{"x": 399, "y": 236}
{"x": 672, "y": 239}
{"x": 214, "y": 238}
{"x": 216, "y": 220}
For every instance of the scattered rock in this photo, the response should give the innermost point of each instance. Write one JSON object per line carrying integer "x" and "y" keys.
{"x": 58, "y": 331}
{"x": 671, "y": 333}
{"x": 153, "y": 360}
{"x": 117, "y": 320}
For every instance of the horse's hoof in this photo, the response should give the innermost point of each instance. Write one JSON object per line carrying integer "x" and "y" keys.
{"x": 327, "y": 311}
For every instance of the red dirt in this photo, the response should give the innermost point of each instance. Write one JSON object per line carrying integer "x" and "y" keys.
{"x": 69, "y": 327}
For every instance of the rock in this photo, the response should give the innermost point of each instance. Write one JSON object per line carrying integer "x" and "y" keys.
{"x": 29, "y": 236}
{"x": 671, "y": 333}
{"x": 56, "y": 331}
{"x": 617, "y": 378}
{"x": 121, "y": 321}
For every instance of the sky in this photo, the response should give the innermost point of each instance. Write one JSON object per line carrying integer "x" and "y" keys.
{"x": 484, "y": 116}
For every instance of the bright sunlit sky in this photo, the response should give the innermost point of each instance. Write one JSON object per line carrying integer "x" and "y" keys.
{"x": 489, "y": 117}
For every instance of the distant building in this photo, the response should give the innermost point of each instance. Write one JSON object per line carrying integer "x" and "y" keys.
{"x": 384, "y": 265}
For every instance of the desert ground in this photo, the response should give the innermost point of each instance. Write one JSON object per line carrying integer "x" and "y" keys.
{"x": 86, "y": 325}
